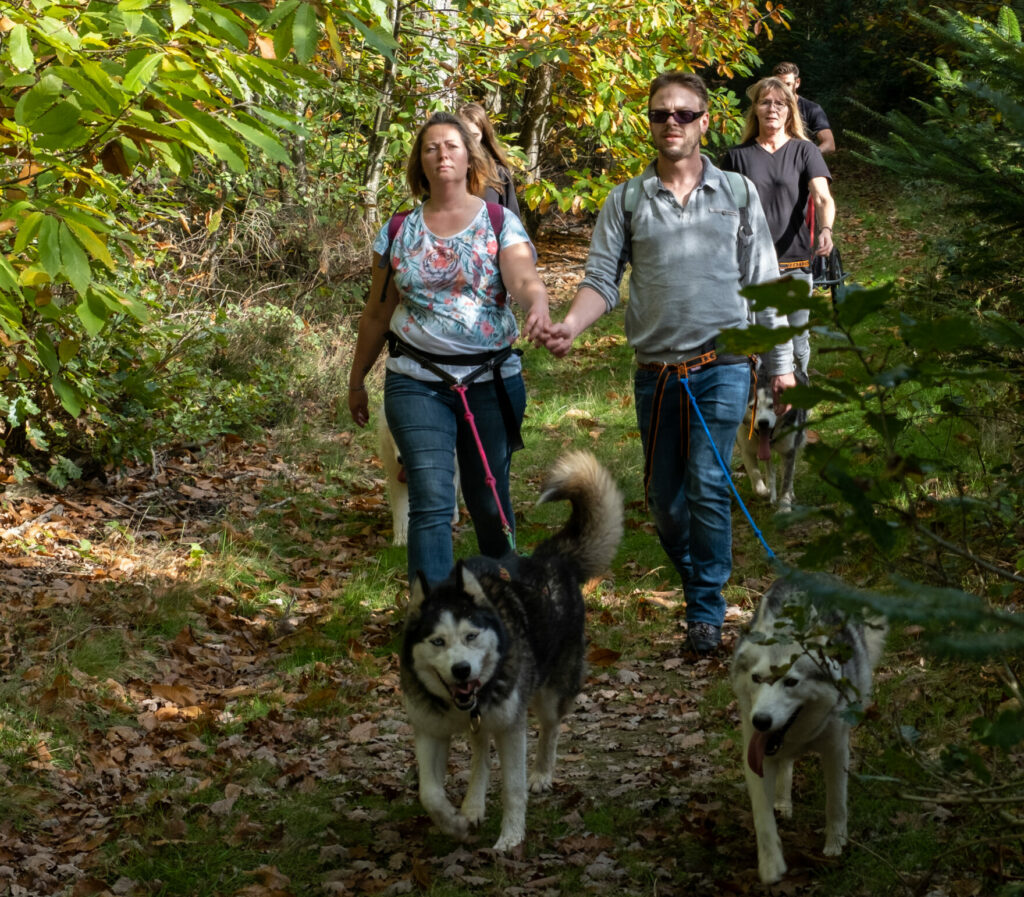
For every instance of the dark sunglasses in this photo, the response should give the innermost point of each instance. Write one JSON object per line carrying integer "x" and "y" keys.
{"x": 679, "y": 116}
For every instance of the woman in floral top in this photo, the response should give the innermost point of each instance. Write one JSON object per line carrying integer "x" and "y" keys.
{"x": 443, "y": 296}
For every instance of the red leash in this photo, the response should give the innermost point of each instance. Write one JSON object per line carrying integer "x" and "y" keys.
{"x": 506, "y": 527}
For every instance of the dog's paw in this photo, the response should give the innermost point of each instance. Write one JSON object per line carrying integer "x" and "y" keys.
{"x": 834, "y": 842}
{"x": 771, "y": 869}
{"x": 785, "y": 505}
{"x": 540, "y": 782}
{"x": 453, "y": 824}
{"x": 784, "y": 808}
{"x": 474, "y": 813}
{"x": 761, "y": 490}
{"x": 509, "y": 841}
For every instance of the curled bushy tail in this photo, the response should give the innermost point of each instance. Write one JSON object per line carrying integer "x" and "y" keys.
{"x": 592, "y": 534}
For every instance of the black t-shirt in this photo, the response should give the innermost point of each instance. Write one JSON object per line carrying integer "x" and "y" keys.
{"x": 814, "y": 117}
{"x": 507, "y": 197}
{"x": 782, "y": 180}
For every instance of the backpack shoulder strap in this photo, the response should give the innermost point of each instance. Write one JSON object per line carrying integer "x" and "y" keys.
{"x": 741, "y": 196}
{"x": 496, "y": 212}
{"x": 394, "y": 226}
{"x": 630, "y": 199}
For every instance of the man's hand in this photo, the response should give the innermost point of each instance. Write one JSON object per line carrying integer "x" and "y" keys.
{"x": 558, "y": 339}
{"x": 780, "y": 383}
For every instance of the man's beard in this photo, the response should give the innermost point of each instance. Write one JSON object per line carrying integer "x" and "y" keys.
{"x": 679, "y": 150}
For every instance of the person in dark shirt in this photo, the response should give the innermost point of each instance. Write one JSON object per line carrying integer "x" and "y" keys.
{"x": 815, "y": 121}
{"x": 475, "y": 118}
{"x": 788, "y": 172}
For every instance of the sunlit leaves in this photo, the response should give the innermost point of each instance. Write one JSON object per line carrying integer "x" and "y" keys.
{"x": 92, "y": 95}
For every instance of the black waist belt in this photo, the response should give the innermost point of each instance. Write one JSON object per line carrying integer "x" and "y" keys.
{"x": 484, "y": 361}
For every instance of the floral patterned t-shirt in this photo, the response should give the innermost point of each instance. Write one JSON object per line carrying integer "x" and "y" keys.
{"x": 452, "y": 296}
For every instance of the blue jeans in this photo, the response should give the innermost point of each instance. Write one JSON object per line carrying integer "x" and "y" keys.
{"x": 688, "y": 492}
{"x": 430, "y": 429}
{"x": 799, "y": 318}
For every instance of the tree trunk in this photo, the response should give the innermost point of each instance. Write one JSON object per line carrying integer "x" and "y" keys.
{"x": 443, "y": 21}
{"x": 533, "y": 126}
{"x": 378, "y": 134}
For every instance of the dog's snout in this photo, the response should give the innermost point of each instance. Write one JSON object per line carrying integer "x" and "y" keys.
{"x": 461, "y": 671}
{"x": 762, "y": 721}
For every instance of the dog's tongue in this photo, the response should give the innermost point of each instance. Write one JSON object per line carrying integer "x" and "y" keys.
{"x": 401, "y": 474}
{"x": 764, "y": 446}
{"x": 467, "y": 688}
{"x": 755, "y": 752}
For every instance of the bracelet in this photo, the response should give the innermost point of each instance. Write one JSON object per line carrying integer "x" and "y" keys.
{"x": 826, "y": 227}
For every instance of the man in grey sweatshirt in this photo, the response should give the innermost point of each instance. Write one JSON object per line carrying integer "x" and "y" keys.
{"x": 694, "y": 245}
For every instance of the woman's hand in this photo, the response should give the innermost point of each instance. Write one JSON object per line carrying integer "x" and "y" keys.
{"x": 824, "y": 241}
{"x": 359, "y": 405}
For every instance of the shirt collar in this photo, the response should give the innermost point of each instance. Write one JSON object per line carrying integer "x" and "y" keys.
{"x": 710, "y": 177}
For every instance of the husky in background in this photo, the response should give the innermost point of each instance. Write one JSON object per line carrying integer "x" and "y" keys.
{"x": 792, "y": 697}
{"x": 769, "y": 436}
{"x": 398, "y": 486}
{"x": 498, "y": 637}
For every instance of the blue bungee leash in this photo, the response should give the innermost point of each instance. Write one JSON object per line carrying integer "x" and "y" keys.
{"x": 728, "y": 474}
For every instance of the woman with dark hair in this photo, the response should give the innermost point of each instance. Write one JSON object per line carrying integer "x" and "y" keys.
{"x": 479, "y": 125}
{"x": 438, "y": 302}
{"x": 788, "y": 171}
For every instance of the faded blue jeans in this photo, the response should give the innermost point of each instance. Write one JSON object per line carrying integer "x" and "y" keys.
{"x": 799, "y": 318}
{"x": 688, "y": 492}
{"x": 429, "y": 426}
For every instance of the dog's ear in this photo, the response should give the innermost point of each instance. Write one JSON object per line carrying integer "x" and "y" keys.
{"x": 418, "y": 593}
{"x": 469, "y": 585}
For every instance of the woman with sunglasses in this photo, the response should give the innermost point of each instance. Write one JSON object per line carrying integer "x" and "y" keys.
{"x": 788, "y": 171}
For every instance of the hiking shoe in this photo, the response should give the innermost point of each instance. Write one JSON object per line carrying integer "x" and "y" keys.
{"x": 703, "y": 638}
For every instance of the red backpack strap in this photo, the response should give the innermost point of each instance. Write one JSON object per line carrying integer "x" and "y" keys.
{"x": 394, "y": 225}
{"x": 497, "y": 215}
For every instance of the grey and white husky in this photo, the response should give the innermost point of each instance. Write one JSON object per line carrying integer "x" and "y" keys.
{"x": 772, "y": 437}
{"x": 498, "y": 637}
{"x": 792, "y": 695}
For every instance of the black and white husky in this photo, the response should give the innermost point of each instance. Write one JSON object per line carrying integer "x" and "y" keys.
{"x": 501, "y": 636}
{"x": 792, "y": 695}
{"x": 770, "y": 436}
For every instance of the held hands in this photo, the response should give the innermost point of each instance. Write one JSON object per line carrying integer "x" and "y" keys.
{"x": 558, "y": 339}
{"x": 537, "y": 323}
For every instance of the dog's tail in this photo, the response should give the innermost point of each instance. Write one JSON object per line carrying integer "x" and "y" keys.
{"x": 592, "y": 534}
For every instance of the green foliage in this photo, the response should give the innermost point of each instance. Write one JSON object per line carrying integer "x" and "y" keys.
{"x": 144, "y": 140}
{"x": 970, "y": 135}
{"x": 101, "y": 105}
{"x": 917, "y": 417}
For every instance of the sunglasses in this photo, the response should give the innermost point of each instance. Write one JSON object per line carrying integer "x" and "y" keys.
{"x": 679, "y": 116}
